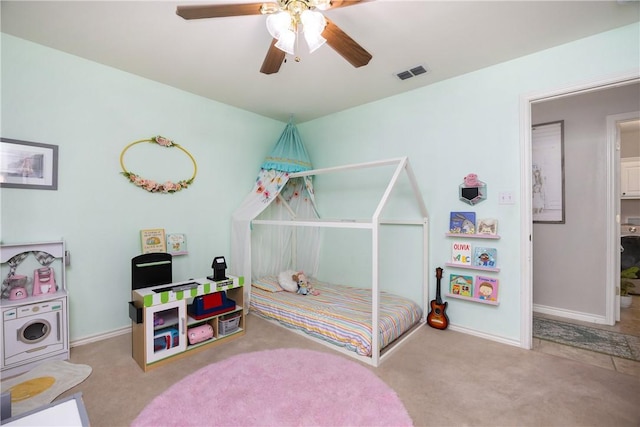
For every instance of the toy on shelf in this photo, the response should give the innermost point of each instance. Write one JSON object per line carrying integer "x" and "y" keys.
{"x": 472, "y": 191}
{"x": 17, "y": 285}
{"x": 157, "y": 320}
{"x": 44, "y": 281}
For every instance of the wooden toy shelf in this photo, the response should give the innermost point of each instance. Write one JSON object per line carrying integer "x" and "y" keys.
{"x": 156, "y": 342}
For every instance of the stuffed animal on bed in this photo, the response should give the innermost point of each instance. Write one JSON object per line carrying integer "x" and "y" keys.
{"x": 296, "y": 281}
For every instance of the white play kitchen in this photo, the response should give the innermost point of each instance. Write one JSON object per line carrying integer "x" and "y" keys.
{"x": 35, "y": 319}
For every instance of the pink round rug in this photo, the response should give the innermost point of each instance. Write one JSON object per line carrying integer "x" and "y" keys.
{"x": 283, "y": 387}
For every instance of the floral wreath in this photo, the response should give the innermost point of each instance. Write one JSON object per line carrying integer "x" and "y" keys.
{"x": 153, "y": 186}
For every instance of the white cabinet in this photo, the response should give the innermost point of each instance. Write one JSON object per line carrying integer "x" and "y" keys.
{"x": 35, "y": 327}
{"x": 166, "y": 324}
{"x": 630, "y": 178}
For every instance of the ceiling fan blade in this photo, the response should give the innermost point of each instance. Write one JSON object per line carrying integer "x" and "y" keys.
{"x": 347, "y": 47}
{"x": 273, "y": 60}
{"x": 219, "y": 10}
{"x": 342, "y": 3}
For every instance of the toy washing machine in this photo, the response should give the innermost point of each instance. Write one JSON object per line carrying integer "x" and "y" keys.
{"x": 630, "y": 248}
{"x": 34, "y": 331}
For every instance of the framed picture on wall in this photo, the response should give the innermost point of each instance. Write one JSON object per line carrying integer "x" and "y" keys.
{"x": 547, "y": 180}
{"x": 31, "y": 165}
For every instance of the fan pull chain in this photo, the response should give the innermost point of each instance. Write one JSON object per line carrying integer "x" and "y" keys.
{"x": 297, "y": 58}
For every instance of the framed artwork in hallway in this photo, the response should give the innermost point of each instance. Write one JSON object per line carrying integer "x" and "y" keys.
{"x": 547, "y": 180}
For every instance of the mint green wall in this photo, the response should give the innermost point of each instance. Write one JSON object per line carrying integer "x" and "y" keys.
{"x": 449, "y": 129}
{"x": 92, "y": 112}
{"x": 462, "y": 125}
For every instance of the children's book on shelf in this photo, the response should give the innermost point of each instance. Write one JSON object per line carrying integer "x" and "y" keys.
{"x": 461, "y": 285}
{"x": 177, "y": 244}
{"x": 487, "y": 226}
{"x": 461, "y": 253}
{"x": 485, "y": 257}
{"x": 153, "y": 240}
{"x": 462, "y": 222}
{"x": 486, "y": 288}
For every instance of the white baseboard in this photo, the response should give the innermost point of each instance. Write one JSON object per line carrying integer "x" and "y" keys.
{"x": 569, "y": 314}
{"x": 100, "y": 337}
{"x": 486, "y": 336}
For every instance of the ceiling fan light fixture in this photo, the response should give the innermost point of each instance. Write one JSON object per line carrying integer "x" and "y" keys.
{"x": 314, "y": 41}
{"x": 313, "y": 21}
{"x": 278, "y": 23}
{"x": 313, "y": 24}
{"x": 321, "y": 4}
{"x": 269, "y": 8}
{"x": 287, "y": 41}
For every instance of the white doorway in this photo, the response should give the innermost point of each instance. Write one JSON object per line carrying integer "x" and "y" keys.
{"x": 615, "y": 124}
{"x": 612, "y": 173}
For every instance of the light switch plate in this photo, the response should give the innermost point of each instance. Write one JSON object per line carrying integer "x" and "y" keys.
{"x": 506, "y": 198}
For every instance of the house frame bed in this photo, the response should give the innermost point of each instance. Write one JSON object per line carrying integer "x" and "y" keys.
{"x": 374, "y": 224}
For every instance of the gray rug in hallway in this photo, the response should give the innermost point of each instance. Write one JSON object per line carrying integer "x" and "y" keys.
{"x": 601, "y": 341}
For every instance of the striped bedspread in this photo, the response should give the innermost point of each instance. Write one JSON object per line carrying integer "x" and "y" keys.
{"x": 340, "y": 314}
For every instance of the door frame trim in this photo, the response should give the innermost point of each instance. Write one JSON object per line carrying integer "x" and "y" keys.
{"x": 526, "y": 221}
{"x": 613, "y": 212}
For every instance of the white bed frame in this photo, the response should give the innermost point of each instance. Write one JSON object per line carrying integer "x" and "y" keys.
{"x": 374, "y": 224}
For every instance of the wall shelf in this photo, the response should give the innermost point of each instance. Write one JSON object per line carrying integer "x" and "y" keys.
{"x": 473, "y": 236}
{"x": 473, "y": 255}
{"x": 472, "y": 267}
{"x": 481, "y": 301}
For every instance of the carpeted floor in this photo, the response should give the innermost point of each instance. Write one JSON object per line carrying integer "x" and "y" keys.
{"x": 281, "y": 387}
{"x": 443, "y": 378}
{"x": 593, "y": 339}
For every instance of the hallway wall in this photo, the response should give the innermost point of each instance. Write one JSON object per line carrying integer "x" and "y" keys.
{"x": 568, "y": 259}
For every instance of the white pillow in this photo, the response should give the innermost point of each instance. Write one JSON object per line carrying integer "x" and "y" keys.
{"x": 285, "y": 279}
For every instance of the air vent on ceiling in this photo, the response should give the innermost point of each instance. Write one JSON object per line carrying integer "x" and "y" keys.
{"x": 412, "y": 72}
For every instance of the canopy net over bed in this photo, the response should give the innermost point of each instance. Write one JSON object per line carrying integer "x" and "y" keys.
{"x": 270, "y": 250}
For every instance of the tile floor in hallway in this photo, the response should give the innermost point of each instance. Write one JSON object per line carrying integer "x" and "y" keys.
{"x": 629, "y": 324}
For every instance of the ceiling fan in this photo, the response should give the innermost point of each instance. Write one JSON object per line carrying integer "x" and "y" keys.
{"x": 285, "y": 19}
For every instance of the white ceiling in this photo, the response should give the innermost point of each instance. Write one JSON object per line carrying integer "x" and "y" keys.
{"x": 220, "y": 58}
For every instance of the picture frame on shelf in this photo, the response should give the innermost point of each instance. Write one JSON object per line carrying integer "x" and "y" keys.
{"x": 547, "y": 179}
{"x": 28, "y": 165}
